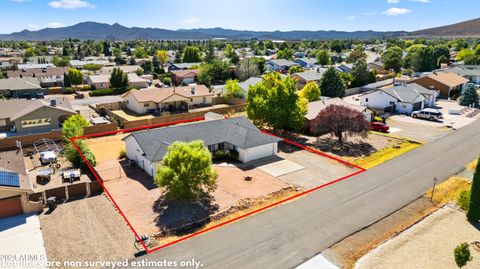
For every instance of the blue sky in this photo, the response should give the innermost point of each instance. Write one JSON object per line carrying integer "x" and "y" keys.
{"x": 345, "y": 15}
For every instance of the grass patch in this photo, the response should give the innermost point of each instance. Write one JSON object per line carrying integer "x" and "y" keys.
{"x": 449, "y": 190}
{"x": 384, "y": 155}
{"x": 472, "y": 165}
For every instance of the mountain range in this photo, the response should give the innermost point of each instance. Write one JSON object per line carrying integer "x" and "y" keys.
{"x": 103, "y": 31}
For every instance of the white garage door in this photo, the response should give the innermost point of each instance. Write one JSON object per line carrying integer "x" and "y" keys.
{"x": 260, "y": 152}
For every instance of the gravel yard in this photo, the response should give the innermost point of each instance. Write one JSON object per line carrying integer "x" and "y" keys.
{"x": 86, "y": 230}
{"x": 428, "y": 244}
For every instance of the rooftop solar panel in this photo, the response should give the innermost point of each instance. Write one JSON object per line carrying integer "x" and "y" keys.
{"x": 9, "y": 179}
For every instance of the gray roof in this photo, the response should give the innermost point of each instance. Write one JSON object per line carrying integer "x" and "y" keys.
{"x": 236, "y": 131}
{"x": 310, "y": 61}
{"x": 312, "y": 75}
{"x": 464, "y": 70}
{"x": 252, "y": 81}
{"x": 15, "y": 108}
{"x": 282, "y": 62}
{"x": 186, "y": 65}
{"x": 13, "y": 84}
{"x": 407, "y": 93}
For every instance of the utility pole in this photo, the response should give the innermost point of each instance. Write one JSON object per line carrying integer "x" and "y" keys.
{"x": 435, "y": 179}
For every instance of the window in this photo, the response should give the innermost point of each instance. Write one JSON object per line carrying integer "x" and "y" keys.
{"x": 366, "y": 100}
{"x": 36, "y": 122}
{"x": 146, "y": 104}
{"x": 204, "y": 100}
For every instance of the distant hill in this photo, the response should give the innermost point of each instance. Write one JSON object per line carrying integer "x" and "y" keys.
{"x": 469, "y": 28}
{"x": 99, "y": 31}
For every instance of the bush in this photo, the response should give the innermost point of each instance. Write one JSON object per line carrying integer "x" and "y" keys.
{"x": 463, "y": 200}
{"x": 68, "y": 90}
{"x": 84, "y": 88}
{"x": 122, "y": 154}
{"x": 167, "y": 81}
{"x": 462, "y": 254}
{"x": 102, "y": 92}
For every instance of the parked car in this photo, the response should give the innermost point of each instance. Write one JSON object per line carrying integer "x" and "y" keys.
{"x": 428, "y": 113}
{"x": 379, "y": 126}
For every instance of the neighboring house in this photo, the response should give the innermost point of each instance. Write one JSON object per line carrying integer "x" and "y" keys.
{"x": 308, "y": 76}
{"x": 345, "y": 68}
{"x": 470, "y": 72}
{"x": 400, "y": 99}
{"x": 182, "y": 66}
{"x": 103, "y": 81}
{"x": 80, "y": 63}
{"x": 251, "y": 81}
{"x": 270, "y": 52}
{"x": 281, "y": 65}
{"x": 21, "y": 88}
{"x": 306, "y": 62}
{"x": 38, "y": 72}
{"x": 147, "y": 148}
{"x": 299, "y": 54}
{"x": 21, "y": 115}
{"x": 376, "y": 66}
{"x": 14, "y": 184}
{"x": 167, "y": 99}
{"x": 316, "y": 107}
{"x": 107, "y": 70}
{"x": 446, "y": 83}
{"x": 33, "y": 66}
{"x": 187, "y": 76}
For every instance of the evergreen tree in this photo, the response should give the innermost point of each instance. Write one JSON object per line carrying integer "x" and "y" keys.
{"x": 473, "y": 213}
{"x": 106, "y": 49}
{"x": 210, "y": 52}
{"x": 332, "y": 84}
{"x": 361, "y": 74}
{"x": 118, "y": 79}
{"x": 469, "y": 96}
{"x": 66, "y": 80}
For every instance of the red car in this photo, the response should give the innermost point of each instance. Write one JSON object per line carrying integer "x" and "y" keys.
{"x": 379, "y": 127}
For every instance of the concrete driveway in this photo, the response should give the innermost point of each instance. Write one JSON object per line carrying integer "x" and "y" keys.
{"x": 21, "y": 235}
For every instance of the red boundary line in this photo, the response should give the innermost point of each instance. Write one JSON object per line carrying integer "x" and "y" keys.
{"x": 72, "y": 140}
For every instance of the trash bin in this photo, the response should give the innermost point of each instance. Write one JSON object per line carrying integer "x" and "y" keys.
{"x": 51, "y": 203}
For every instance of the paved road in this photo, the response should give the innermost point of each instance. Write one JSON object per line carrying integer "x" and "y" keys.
{"x": 286, "y": 236}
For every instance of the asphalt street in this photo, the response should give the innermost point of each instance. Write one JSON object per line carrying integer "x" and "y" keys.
{"x": 288, "y": 235}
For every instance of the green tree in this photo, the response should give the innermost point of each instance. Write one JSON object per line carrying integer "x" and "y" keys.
{"x": 92, "y": 67}
{"x": 323, "y": 57}
{"x": 462, "y": 254}
{"x": 246, "y": 68}
{"x": 473, "y": 213}
{"x": 73, "y": 127}
{"x": 356, "y": 55}
{"x": 361, "y": 74}
{"x": 186, "y": 170}
{"x": 274, "y": 102}
{"x": 469, "y": 96}
{"x": 233, "y": 89}
{"x": 140, "y": 52}
{"x": 228, "y": 51}
{"x": 191, "y": 54}
{"x": 61, "y": 61}
{"x": 295, "y": 69}
{"x": 311, "y": 92}
{"x": 106, "y": 48}
{"x": 162, "y": 56}
{"x": 118, "y": 80}
{"x": 210, "y": 52}
{"x": 332, "y": 84}
{"x": 260, "y": 63}
{"x": 66, "y": 80}
{"x": 216, "y": 71}
{"x": 285, "y": 54}
{"x": 75, "y": 76}
{"x": 392, "y": 58}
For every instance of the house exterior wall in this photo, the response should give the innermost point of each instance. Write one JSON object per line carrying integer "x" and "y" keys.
{"x": 432, "y": 84}
{"x": 201, "y": 100}
{"x": 138, "y": 84}
{"x": 134, "y": 105}
{"x": 135, "y": 153}
{"x": 42, "y": 113}
{"x": 377, "y": 99}
{"x": 26, "y": 93}
{"x": 250, "y": 154}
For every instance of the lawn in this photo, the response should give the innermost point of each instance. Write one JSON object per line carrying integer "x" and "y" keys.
{"x": 383, "y": 155}
{"x": 449, "y": 190}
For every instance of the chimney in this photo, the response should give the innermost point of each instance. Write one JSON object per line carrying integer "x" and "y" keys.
{"x": 53, "y": 102}
{"x": 193, "y": 89}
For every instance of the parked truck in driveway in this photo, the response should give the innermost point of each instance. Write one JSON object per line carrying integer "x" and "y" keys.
{"x": 428, "y": 113}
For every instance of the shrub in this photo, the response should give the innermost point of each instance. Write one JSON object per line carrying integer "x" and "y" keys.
{"x": 122, "y": 154}
{"x": 84, "y": 88}
{"x": 463, "y": 200}
{"x": 462, "y": 254}
{"x": 68, "y": 90}
{"x": 167, "y": 81}
{"x": 102, "y": 92}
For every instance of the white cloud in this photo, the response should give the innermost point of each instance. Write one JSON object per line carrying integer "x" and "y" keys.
{"x": 71, "y": 4}
{"x": 393, "y": 1}
{"x": 394, "y": 11}
{"x": 55, "y": 25}
{"x": 33, "y": 27}
{"x": 191, "y": 20}
{"x": 350, "y": 18}
{"x": 370, "y": 13}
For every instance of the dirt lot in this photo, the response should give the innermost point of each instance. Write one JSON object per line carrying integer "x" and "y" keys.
{"x": 106, "y": 148}
{"x": 86, "y": 230}
{"x": 431, "y": 242}
{"x": 133, "y": 189}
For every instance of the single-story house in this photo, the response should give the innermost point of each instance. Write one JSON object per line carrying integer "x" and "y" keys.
{"x": 103, "y": 81}
{"x": 21, "y": 115}
{"x": 187, "y": 76}
{"x": 308, "y": 76}
{"x": 167, "y": 99}
{"x": 403, "y": 99}
{"x": 251, "y": 81}
{"x": 48, "y": 72}
{"x": 33, "y": 66}
{"x": 299, "y": 54}
{"x": 80, "y": 63}
{"x": 21, "y": 88}
{"x": 281, "y": 65}
{"x": 470, "y": 72}
{"x": 316, "y": 107}
{"x": 182, "y": 66}
{"x": 107, "y": 70}
{"x": 345, "y": 68}
{"x": 147, "y": 148}
{"x": 306, "y": 62}
{"x": 14, "y": 184}
{"x": 376, "y": 66}
{"x": 446, "y": 83}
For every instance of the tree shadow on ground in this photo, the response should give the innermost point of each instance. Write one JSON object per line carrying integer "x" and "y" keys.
{"x": 349, "y": 149}
{"x": 184, "y": 217}
{"x": 136, "y": 173}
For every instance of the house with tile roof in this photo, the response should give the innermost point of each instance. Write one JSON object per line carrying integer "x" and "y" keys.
{"x": 446, "y": 83}
{"x": 147, "y": 148}
{"x": 21, "y": 88}
{"x": 157, "y": 100}
{"x": 184, "y": 77}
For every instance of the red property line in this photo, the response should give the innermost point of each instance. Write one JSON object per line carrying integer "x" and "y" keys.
{"x": 72, "y": 140}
